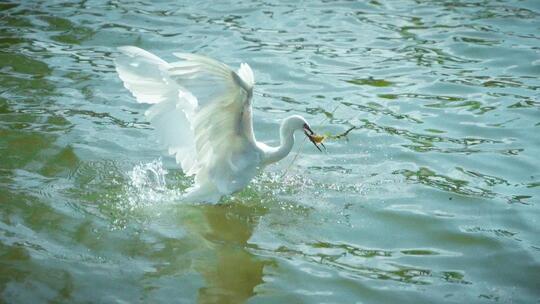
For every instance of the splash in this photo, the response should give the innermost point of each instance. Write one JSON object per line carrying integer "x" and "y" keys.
{"x": 148, "y": 175}
{"x": 293, "y": 183}
{"x": 147, "y": 185}
{"x": 141, "y": 188}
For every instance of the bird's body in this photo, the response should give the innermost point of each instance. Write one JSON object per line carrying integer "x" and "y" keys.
{"x": 202, "y": 112}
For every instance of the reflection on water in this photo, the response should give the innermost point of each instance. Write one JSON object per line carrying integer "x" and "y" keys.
{"x": 232, "y": 272}
{"x": 430, "y": 197}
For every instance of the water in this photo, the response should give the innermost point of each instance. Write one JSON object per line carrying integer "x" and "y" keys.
{"x": 432, "y": 197}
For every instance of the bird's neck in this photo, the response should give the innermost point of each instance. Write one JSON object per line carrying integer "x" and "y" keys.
{"x": 286, "y": 144}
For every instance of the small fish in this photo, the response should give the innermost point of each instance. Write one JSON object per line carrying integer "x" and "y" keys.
{"x": 318, "y": 138}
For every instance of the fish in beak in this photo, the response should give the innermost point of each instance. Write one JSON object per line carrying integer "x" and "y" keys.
{"x": 311, "y": 135}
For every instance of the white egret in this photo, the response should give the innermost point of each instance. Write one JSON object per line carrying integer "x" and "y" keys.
{"x": 202, "y": 112}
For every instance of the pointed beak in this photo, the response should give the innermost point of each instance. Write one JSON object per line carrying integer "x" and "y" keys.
{"x": 309, "y": 133}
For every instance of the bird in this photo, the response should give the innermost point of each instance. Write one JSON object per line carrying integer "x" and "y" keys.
{"x": 202, "y": 110}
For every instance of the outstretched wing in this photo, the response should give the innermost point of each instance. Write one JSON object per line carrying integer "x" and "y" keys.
{"x": 202, "y": 112}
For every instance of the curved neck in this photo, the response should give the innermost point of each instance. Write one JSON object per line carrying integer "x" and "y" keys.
{"x": 275, "y": 154}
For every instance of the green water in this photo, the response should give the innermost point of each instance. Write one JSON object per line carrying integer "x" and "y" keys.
{"x": 432, "y": 197}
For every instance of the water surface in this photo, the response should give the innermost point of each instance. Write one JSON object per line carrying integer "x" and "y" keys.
{"x": 432, "y": 197}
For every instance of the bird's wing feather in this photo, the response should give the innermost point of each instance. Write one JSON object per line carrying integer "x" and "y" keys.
{"x": 147, "y": 77}
{"x": 226, "y": 152}
{"x": 202, "y": 112}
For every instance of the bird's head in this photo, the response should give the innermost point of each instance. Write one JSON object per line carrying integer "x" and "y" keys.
{"x": 297, "y": 122}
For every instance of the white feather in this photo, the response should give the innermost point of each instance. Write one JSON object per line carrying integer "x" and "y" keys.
{"x": 202, "y": 113}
